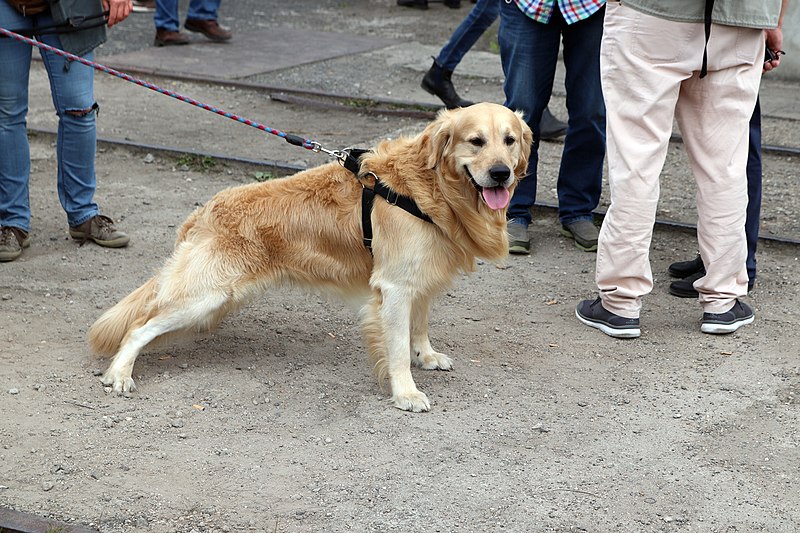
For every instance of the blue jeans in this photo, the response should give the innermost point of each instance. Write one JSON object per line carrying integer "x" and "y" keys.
{"x": 753, "y": 222}
{"x": 72, "y": 89}
{"x": 166, "y": 15}
{"x": 482, "y": 15}
{"x": 529, "y": 53}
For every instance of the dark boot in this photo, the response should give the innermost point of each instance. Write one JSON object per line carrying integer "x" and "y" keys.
{"x": 453, "y": 4}
{"x": 550, "y": 127}
{"x": 437, "y": 82}
{"x": 419, "y": 4}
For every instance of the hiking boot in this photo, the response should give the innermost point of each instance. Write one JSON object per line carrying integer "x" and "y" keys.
{"x": 437, "y": 82}
{"x": 101, "y": 230}
{"x": 169, "y": 37}
{"x": 419, "y": 4}
{"x": 210, "y": 28}
{"x": 683, "y": 269}
{"x": 594, "y": 315}
{"x": 518, "y": 241}
{"x": 12, "y": 241}
{"x": 584, "y": 232}
{"x": 550, "y": 128}
{"x": 728, "y": 322}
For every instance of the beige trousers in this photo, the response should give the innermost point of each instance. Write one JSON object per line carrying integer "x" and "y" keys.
{"x": 650, "y": 74}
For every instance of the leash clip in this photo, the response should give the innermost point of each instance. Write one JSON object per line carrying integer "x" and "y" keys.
{"x": 338, "y": 154}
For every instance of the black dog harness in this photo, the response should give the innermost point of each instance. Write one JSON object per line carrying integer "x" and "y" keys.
{"x": 352, "y": 162}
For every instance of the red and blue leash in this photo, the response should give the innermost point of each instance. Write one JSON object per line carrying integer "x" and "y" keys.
{"x": 291, "y": 139}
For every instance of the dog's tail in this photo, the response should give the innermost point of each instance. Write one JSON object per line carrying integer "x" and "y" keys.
{"x": 108, "y": 332}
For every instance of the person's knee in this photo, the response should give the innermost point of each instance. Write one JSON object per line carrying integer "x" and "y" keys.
{"x": 83, "y": 113}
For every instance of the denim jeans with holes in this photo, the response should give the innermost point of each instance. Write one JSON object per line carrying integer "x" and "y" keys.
{"x": 72, "y": 88}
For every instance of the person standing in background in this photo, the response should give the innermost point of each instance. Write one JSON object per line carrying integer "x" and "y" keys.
{"x": 438, "y": 80}
{"x": 531, "y": 34}
{"x": 201, "y": 18}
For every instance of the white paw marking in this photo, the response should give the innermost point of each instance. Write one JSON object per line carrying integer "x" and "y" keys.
{"x": 433, "y": 361}
{"x": 416, "y": 402}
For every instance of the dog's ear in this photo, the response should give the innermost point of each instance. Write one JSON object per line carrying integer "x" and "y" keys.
{"x": 437, "y": 136}
{"x": 525, "y": 145}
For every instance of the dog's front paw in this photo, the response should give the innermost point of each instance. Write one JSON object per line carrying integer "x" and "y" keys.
{"x": 433, "y": 361}
{"x": 118, "y": 383}
{"x": 415, "y": 401}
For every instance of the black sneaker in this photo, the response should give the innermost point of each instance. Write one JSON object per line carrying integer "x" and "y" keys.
{"x": 721, "y": 323}
{"x": 684, "y": 288}
{"x": 594, "y": 315}
{"x": 684, "y": 269}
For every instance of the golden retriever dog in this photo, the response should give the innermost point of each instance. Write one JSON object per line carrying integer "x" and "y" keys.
{"x": 306, "y": 231}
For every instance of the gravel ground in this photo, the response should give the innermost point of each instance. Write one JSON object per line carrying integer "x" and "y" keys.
{"x": 274, "y": 423}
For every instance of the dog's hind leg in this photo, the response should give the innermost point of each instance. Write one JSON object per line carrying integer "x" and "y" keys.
{"x": 196, "y": 289}
{"x": 201, "y": 313}
{"x": 422, "y": 353}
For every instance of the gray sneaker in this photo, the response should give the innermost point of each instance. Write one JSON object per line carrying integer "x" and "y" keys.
{"x": 518, "y": 241}
{"x": 722, "y": 323}
{"x": 584, "y": 232}
{"x": 593, "y": 314}
{"x": 12, "y": 241}
{"x": 101, "y": 230}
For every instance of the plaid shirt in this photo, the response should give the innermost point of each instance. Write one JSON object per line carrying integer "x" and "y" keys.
{"x": 572, "y": 10}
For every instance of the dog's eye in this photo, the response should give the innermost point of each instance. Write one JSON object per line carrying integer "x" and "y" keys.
{"x": 510, "y": 140}
{"x": 477, "y": 141}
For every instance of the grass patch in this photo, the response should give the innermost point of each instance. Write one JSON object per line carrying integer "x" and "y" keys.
{"x": 200, "y": 163}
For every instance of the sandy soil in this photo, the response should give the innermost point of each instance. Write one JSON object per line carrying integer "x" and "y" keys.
{"x": 274, "y": 423}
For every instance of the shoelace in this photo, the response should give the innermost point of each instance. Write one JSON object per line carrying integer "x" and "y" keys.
{"x": 6, "y": 236}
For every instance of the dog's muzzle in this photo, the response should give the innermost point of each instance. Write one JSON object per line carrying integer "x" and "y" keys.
{"x": 497, "y": 196}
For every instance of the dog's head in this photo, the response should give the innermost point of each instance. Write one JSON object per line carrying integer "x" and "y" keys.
{"x": 482, "y": 149}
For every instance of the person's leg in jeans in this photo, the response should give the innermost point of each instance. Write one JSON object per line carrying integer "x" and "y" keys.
{"x": 203, "y": 10}
{"x": 479, "y": 19}
{"x": 72, "y": 88}
{"x": 15, "y": 161}
{"x": 754, "y": 174}
{"x": 580, "y": 176}
{"x": 438, "y": 79}
{"x": 166, "y": 16}
{"x": 528, "y": 53}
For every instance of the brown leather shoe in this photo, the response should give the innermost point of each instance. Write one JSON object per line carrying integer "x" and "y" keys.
{"x": 12, "y": 241}
{"x": 169, "y": 37}
{"x": 101, "y": 230}
{"x": 209, "y": 28}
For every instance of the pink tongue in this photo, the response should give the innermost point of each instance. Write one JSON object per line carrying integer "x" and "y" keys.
{"x": 496, "y": 197}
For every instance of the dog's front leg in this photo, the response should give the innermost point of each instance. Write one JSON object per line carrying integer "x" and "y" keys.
{"x": 422, "y": 353}
{"x": 395, "y": 316}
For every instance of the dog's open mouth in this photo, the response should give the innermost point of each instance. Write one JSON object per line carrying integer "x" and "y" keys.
{"x": 495, "y": 197}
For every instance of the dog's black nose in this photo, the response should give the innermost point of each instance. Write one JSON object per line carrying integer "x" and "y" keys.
{"x": 499, "y": 173}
